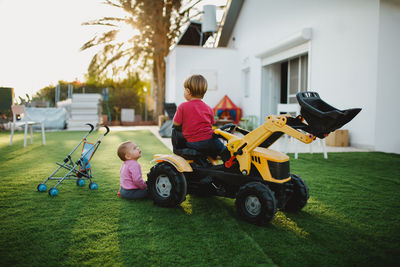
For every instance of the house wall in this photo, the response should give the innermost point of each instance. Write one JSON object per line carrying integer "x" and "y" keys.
{"x": 388, "y": 84}
{"x": 184, "y": 61}
{"x": 170, "y": 77}
{"x": 343, "y": 53}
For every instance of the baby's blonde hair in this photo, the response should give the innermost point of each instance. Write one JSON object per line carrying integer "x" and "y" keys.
{"x": 197, "y": 85}
{"x": 122, "y": 149}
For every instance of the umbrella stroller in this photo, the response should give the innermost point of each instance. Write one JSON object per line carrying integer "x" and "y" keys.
{"x": 79, "y": 170}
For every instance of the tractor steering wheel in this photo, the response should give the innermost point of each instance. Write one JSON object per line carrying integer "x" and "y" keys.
{"x": 230, "y": 127}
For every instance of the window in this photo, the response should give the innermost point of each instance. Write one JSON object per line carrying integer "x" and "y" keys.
{"x": 294, "y": 78}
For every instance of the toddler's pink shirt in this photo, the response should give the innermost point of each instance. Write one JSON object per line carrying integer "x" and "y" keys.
{"x": 131, "y": 175}
{"x": 196, "y": 118}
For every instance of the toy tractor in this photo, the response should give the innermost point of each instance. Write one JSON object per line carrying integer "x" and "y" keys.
{"x": 257, "y": 177}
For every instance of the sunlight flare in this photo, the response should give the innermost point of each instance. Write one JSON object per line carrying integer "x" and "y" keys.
{"x": 126, "y": 33}
{"x": 281, "y": 220}
{"x": 187, "y": 206}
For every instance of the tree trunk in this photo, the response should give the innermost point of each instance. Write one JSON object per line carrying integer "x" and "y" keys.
{"x": 159, "y": 83}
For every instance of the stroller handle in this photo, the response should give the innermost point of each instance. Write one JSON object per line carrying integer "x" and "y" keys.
{"x": 91, "y": 126}
{"x": 108, "y": 130}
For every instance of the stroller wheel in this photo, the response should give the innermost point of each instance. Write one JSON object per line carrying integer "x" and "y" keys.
{"x": 80, "y": 182}
{"x": 53, "y": 192}
{"x": 41, "y": 188}
{"x": 93, "y": 186}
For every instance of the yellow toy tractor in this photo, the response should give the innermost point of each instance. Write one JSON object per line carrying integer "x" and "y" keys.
{"x": 259, "y": 178}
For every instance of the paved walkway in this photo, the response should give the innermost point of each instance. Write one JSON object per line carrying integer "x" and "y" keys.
{"x": 279, "y": 145}
{"x": 153, "y": 129}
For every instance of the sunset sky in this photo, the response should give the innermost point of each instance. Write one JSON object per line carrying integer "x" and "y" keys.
{"x": 40, "y": 41}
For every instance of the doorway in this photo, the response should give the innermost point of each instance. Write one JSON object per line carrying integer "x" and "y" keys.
{"x": 280, "y": 82}
{"x": 270, "y": 90}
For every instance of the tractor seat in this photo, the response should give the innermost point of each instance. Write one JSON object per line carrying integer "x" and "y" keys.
{"x": 180, "y": 148}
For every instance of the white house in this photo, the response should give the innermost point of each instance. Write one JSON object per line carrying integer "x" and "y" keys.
{"x": 347, "y": 51}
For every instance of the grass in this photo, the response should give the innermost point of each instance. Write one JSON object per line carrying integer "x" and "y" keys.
{"x": 352, "y": 217}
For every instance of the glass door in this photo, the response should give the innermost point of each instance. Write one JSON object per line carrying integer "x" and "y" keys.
{"x": 297, "y": 73}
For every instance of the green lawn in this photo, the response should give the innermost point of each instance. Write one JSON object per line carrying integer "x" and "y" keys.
{"x": 352, "y": 218}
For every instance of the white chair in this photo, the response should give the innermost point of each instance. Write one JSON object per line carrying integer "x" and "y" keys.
{"x": 294, "y": 110}
{"x": 20, "y": 110}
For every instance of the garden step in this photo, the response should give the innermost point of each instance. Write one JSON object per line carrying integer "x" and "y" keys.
{"x": 83, "y": 117}
{"x": 84, "y": 105}
{"x": 85, "y": 108}
{"x": 86, "y": 97}
{"x": 81, "y": 124}
{"x": 84, "y": 111}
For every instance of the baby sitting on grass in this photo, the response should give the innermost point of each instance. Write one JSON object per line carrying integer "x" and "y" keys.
{"x": 131, "y": 181}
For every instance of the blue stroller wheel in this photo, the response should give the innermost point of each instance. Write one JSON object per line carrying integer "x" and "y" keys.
{"x": 80, "y": 182}
{"x": 53, "y": 192}
{"x": 93, "y": 186}
{"x": 42, "y": 187}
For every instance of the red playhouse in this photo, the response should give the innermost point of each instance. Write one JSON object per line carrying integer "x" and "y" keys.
{"x": 226, "y": 109}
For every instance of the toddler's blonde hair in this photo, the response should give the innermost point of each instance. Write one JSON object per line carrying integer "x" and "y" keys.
{"x": 197, "y": 85}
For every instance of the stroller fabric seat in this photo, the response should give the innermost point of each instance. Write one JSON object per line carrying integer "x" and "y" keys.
{"x": 86, "y": 156}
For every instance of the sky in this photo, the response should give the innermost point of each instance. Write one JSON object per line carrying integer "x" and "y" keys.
{"x": 40, "y": 41}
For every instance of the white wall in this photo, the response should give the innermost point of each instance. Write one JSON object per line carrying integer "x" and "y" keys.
{"x": 184, "y": 61}
{"x": 343, "y": 53}
{"x": 388, "y": 93}
{"x": 170, "y": 76}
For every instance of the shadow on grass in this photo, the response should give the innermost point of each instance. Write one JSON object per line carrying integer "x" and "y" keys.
{"x": 40, "y": 230}
{"x": 320, "y": 234}
{"x": 198, "y": 232}
{"x": 319, "y": 237}
{"x": 39, "y": 224}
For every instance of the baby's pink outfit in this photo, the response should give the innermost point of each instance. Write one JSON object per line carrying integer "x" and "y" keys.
{"x": 131, "y": 175}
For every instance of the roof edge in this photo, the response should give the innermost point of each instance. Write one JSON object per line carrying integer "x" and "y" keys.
{"x": 229, "y": 21}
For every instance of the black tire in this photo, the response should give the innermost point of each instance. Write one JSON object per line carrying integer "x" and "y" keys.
{"x": 256, "y": 203}
{"x": 166, "y": 185}
{"x": 300, "y": 194}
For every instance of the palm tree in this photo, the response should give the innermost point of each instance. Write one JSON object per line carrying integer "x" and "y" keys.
{"x": 156, "y": 25}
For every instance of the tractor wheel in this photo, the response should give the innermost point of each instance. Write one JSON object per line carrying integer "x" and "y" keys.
{"x": 300, "y": 195}
{"x": 256, "y": 203}
{"x": 166, "y": 185}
